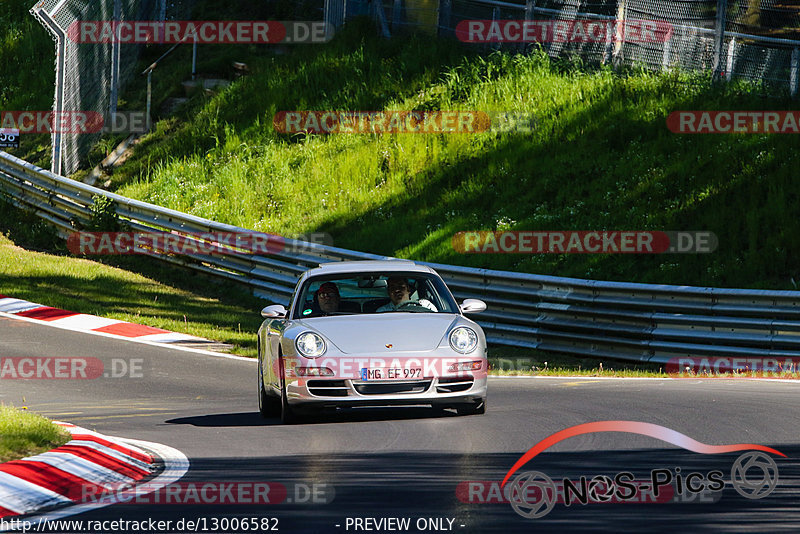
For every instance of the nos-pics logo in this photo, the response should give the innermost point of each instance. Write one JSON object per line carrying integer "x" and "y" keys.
{"x": 533, "y": 494}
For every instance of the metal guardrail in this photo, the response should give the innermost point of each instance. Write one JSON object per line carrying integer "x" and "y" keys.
{"x": 636, "y": 322}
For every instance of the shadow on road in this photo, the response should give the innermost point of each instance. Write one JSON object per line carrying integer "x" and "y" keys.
{"x": 436, "y": 485}
{"x": 359, "y": 414}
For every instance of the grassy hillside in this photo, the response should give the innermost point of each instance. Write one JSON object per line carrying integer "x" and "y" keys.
{"x": 600, "y": 158}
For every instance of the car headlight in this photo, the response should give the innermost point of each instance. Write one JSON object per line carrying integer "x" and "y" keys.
{"x": 310, "y": 345}
{"x": 463, "y": 339}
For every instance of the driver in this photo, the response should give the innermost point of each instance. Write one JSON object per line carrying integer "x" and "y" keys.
{"x": 327, "y": 297}
{"x": 397, "y": 287}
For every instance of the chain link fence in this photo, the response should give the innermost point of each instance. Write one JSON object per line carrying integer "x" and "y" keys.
{"x": 756, "y": 40}
{"x": 89, "y": 76}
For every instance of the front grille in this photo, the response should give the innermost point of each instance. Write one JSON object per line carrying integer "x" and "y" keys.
{"x": 388, "y": 388}
{"x": 454, "y": 384}
{"x": 327, "y": 388}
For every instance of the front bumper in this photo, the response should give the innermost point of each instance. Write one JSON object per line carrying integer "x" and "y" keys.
{"x": 441, "y": 391}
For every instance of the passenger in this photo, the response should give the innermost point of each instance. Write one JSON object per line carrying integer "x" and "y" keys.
{"x": 398, "y": 290}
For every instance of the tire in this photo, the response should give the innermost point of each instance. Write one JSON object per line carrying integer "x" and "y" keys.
{"x": 475, "y": 408}
{"x": 267, "y": 404}
{"x": 288, "y": 414}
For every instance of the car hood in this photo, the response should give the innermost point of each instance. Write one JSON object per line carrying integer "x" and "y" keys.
{"x": 371, "y": 333}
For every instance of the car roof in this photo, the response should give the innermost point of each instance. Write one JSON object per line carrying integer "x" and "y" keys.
{"x": 337, "y": 267}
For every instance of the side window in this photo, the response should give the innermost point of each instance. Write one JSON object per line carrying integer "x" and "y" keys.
{"x": 293, "y": 301}
{"x": 304, "y": 302}
{"x": 413, "y": 288}
{"x": 429, "y": 293}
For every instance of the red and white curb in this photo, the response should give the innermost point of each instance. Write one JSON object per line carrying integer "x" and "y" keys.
{"x": 64, "y": 475}
{"x": 91, "y": 323}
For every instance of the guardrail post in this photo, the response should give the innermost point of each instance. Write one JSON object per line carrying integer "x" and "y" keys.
{"x": 610, "y": 39}
{"x": 613, "y": 51}
{"x": 530, "y": 8}
{"x": 335, "y": 13}
{"x": 665, "y": 54}
{"x": 377, "y": 12}
{"x": 665, "y": 57}
{"x": 495, "y": 18}
{"x": 397, "y": 15}
{"x": 115, "y": 56}
{"x": 194, "y": 58}
{"x": 149, "y": 95}
{"x": 58, "y": 104}
{"x": 445, "y": 14}
{"x": 729, "y": 59}
{"x": 793, "y": 74}
{"x": 719, "y": 39}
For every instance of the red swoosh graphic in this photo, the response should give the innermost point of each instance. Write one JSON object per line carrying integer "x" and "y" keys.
{"x": 634, "y": 427}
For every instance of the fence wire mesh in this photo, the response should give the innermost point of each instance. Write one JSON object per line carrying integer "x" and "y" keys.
{"x": 88, "y": 81}
{"x": 760, "y": 43}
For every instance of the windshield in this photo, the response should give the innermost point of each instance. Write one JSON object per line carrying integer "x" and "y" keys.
{"x": 368, "y": 293}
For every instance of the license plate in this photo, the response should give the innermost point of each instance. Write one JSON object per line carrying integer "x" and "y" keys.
{"x": 392, "y": 373}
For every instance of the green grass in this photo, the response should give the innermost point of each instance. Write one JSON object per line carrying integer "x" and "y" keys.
{"x": 211, "y": 310}
{"x": 600, "y": 158}
{"x": 562, "y": 371}
{"x": 513, "y": 361}
{"x": 26, "y": 434}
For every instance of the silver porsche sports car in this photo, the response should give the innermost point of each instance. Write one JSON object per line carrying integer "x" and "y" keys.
{"x": 371, "y": 333}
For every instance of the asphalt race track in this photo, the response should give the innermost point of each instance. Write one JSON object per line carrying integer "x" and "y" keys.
{"x": 411, "y": 462}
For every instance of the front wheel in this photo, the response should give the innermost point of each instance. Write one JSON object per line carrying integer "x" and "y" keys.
{"x": 267, "y": 404}
{"x": 288, "y": 414}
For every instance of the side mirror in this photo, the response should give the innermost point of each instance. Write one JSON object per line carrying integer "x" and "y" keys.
{"x": 275, "y": 310}
{"x": 472, "y": 306}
